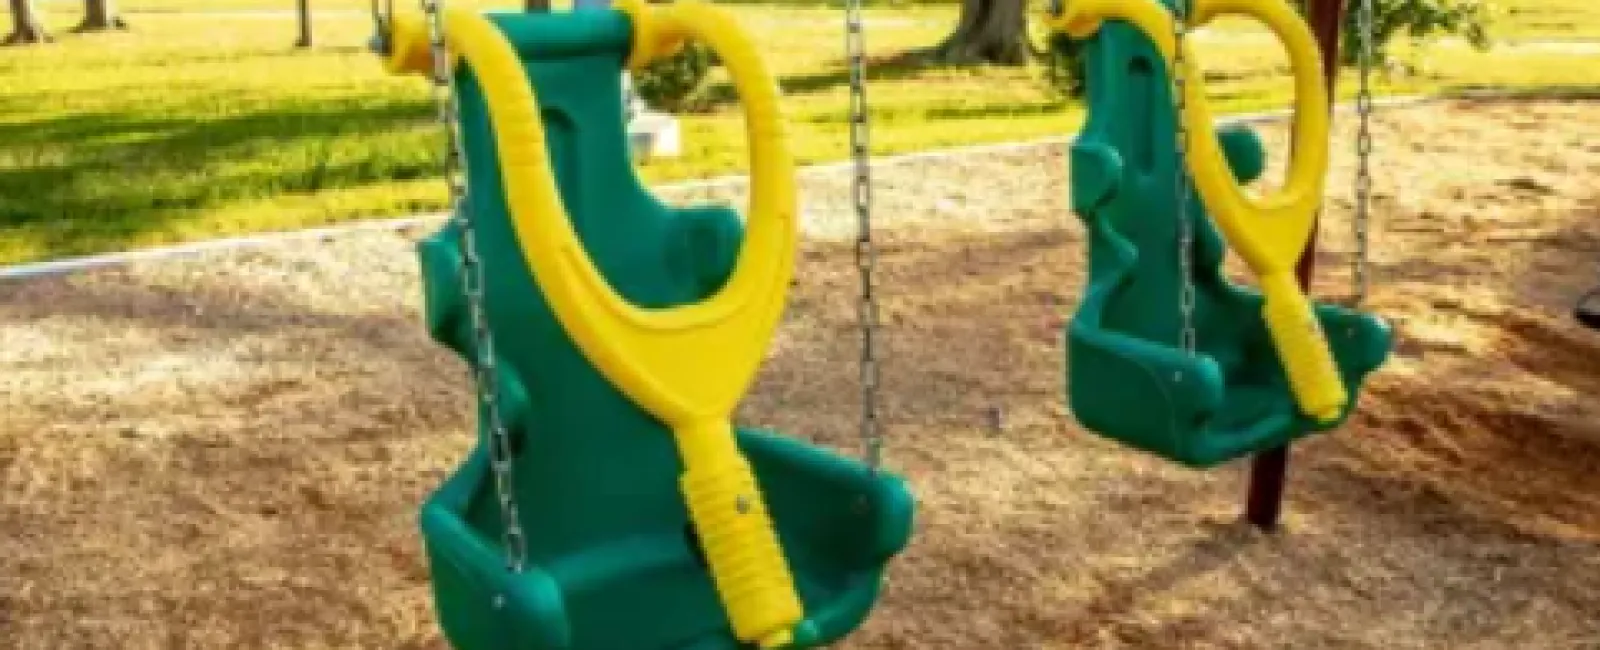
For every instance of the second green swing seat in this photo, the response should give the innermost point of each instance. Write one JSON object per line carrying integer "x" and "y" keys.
{"x": 613, "y": 562}
{"x": 1129, "y": 377}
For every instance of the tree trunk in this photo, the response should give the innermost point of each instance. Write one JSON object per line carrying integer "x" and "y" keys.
{"x": 537, "y": 6}
{"x": 989, "y": 31}
{"x": 99, "y": 16}
{"x": 303, "y": 10}
{"x": 25, "y": 24}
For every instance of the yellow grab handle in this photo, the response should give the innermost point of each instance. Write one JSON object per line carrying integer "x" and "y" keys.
{"x": 687, "y": 365}
{"x": 680, "y": 363}
{"x": 1269, "y": 232}
{"x": 736, "y": 533}
{"x": 1303, "y": 349}
{"x": 740, "y": 543}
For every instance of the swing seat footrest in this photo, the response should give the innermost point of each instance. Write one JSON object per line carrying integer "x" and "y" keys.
{"x": 1192, "y": 410}
{"x": 839, "y": 523}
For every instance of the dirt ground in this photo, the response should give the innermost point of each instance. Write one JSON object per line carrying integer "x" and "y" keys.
{"x": 228, "y": 451}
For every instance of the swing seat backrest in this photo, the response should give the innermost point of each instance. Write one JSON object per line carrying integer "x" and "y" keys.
{"x": 613, "y": 563}
{"x": 1129, "y": 378}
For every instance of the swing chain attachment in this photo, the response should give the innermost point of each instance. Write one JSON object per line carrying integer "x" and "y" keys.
{"x": 1363, "y": 180}
{"x": 486, "y": 380}
{"x": 866, "y": 253}
{"x": 1180, "y": 88}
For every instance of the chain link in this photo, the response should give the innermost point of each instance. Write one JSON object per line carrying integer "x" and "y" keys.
{"x": 1363, "y": 181}
{"x": 866, "y": 253}
{"x": 486, "y": 380}
{"x": 1180, "y": 88}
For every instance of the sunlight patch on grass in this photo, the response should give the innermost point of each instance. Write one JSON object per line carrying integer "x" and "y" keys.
{"x": 198, "y": 125}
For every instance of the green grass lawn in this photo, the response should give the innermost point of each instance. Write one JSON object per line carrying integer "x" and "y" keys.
{"x": 197, "y": 125}
{"x": 1548, "y": 19}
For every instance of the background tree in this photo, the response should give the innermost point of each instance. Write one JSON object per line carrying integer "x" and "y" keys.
{"x": 25, "y": 24}
{"x": 989, "y": 31}
{"x": 1063, "y": 71}
{"x": 673, "y": 84}
{"x": 99, "y": 16}
{"x": 303, "y": 12}
{"x": 1418, "y": 19}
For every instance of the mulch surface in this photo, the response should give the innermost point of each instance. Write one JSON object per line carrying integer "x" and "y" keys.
{"x": 228, "y": 451}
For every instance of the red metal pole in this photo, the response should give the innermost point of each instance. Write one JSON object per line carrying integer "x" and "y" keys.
{"x": 1271, "y": 468}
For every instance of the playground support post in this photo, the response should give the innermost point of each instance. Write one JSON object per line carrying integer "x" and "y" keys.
{"x": 1270, "y": 468}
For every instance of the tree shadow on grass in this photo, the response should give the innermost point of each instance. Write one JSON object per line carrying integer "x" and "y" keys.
{"x": 837, "y": 75}
{"x": 125, "y": 173}
{"x": 1018, "y": 109}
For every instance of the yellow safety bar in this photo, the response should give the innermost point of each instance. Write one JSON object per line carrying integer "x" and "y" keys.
{"x": 687, "y": 365}
{"x": 1269, "y": 232}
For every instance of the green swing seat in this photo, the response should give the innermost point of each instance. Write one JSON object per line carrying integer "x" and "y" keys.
{"x": 1129, "y": 378}
{"x": 613, "y": 563}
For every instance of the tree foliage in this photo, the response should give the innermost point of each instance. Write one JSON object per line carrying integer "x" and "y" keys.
{"x": 672, "y": 83}
{"x": 1392, "y": 20}
{"x": 1414, "y": 19}
{"x": 1063, "y": 71}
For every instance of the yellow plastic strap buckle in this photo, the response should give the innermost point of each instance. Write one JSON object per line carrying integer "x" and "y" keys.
{"x": 1270, "y": 232}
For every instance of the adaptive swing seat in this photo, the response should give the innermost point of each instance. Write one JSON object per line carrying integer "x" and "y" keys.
{"x": 1130, "y": 378}
{"x": 625, "y": 331}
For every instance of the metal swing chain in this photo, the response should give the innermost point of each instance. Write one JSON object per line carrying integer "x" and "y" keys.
{"x": 485, "y": 375}
{"x": 1180, "y": 85}
{"x": 866, "y": 254}
{"x": 1363, "y": 181}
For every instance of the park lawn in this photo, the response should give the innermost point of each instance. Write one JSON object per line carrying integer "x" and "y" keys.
{"x": 1548, "y": 19}
{"x": 197, "y": 125}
